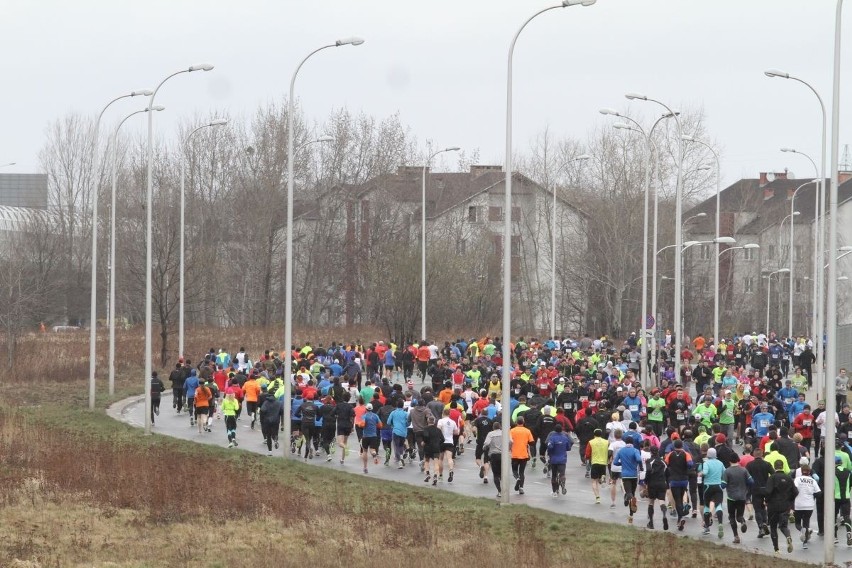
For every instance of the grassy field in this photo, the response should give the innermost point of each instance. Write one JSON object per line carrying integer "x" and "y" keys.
{"x": 78, "y": 489}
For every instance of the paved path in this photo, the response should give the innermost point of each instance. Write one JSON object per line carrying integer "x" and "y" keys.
{"x": 578, "y": 502}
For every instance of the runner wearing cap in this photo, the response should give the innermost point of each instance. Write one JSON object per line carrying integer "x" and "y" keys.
{"x": 370, "y": 425}
{"x": 711, "y": 471}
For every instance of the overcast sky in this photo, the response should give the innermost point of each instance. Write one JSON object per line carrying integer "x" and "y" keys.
{"x": 441, "y": 64}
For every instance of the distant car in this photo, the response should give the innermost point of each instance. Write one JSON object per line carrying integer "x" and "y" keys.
{"x": 60, "y": 328}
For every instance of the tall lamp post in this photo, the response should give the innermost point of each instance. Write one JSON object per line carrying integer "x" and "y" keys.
{"x": 819, "y": 219}
{"x": 819, "y": 239}
{"x": 423, "y": 240}
{"x": 183, "y": 146}
{"x": 288, "y": 271}
{"x": 769, "y": 293}
{"x": 149, "y": 238}
{"x": 792, "y": 205}
{"x": 507, "y": 243}
{"x": 678, "y": 308}
{"x": 580, "y": 158}
{"x": 650, "y": 149}
{"x": 93, "y": 308}
{"x": 695, "y": 140}
{"x": 111, "y": 316}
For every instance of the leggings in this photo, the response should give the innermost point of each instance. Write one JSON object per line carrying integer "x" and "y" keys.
{"x": 557, "y": 476}
{"x": 778, "y": 522}
{"x": 803, "y": 519}
{"x": 496, "y": 469}
{"x": 270, "y": 433}
{"x": 677, "y": 495}
{"x": 177, "y": 398}
{"x": 231, "y": 427}
{"x": 518, "y": 467}
{"x": 736, "y": 512}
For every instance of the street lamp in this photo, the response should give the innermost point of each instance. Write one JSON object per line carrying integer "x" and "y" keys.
{"x": 149, "y": 253}
{"x": 816, "y": 259}
{"x": 507, "y": 242}
{"x": 423, "y": 241}
{"x": 7, "y": 164}
{"x": 819, "y": 238}
{"x": 580, "y": 158}
{"x": 288, "y": 270}
{"x": 769, "y": 292}
{"x": 111, "y": 311}
{"x": 819, "y": 218}
{"x": 650, "y": 148}
{"x": 692, "y": 138}
{"x": 317, "y": 140}
{"x": 93, "y": 311}
{"x": 184, "y": 144}
{"x": 678, "y": 308}
{"x": 688, "y": 219}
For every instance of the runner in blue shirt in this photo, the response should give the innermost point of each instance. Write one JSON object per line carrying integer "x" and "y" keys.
{"x": 558, "y": 445}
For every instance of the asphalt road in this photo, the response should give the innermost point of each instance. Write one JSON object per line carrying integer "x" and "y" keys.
{"x": 579, "y": 500}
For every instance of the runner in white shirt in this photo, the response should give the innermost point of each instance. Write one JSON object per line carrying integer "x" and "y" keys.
{"x": 614, "y": 470}
{"x": 448, "y": 428}
{"x": 804, "y": 505}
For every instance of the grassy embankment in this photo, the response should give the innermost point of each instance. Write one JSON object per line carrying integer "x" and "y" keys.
{"x": 78, "y": 489}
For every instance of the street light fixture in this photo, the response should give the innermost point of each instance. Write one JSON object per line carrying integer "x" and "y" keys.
{"x": 692, "y": 138}
{"x": 678, "y": 308}
{"x": 580, "y": 158}
{"x": 507, "y": 239}
{"x": 7, "y": 164}
{"x": 112, "y": 225}
{"x": 650, "y": 149}
{"x": 93, "y": 311}
{"x": 423, "y": 240}
{"x": 288, "y": 270}
{"x": 819, "y": 227}
{"x": 184, "y": 144}
{"x": 149, "y": 252}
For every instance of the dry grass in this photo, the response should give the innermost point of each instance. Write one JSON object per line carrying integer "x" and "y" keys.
{"x": 78, "y": 489}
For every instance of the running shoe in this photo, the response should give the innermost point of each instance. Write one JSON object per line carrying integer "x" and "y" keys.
{"x": 736, "y": 540}
{"x": 450, "y": 477}
{"x": 481, "y": 471}
{"x": 276, "y": 444}
{"x": 521, "y": 490}
{"x": 808, "y": 534}
{"x": 650, "y": 525}
{"x": 630, "y": 520}
{"x": 721, "y": 531}
{"x": 236, "y": 443}
{"x": 428, "y": 477}
{"x": 434, "y": 482}
{"x": 665, "y": 523}
{"x": 790, "y": 543}
{"x": 743, "y": 527}
{"x": 328, "y": 459}
{"x": 804, "y": 546}
{"x": 634, "y": 506}
{"x": 681, "y": 524}
{"x": 564, "y": 489}
{"x": 485, "y": 481}
{"x": 597, "y": 500}
{"x": 365, "y": 470}
{"x": 848, "y": 538}
{"x": 706, "y": 531}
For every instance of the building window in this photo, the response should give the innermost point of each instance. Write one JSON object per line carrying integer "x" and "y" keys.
{"x": 495, "y": 213}
{"x": 785, "y": 250}
{"x": 799, "y": 252}
{"x": 516, "y": 246}
{"x": 772, "y": 252}
{"x": 473, "y": 214}
{"x": 748, "y": 254}
{"x": 705, "y": 252}
{"x": 748, "y": 284}
{"x": 799, "y": 285}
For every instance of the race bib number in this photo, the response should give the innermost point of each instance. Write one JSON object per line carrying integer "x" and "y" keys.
{"x": 764, "y": 423}
{"x": 806, "y": 423}
{"x": 788, "y": 400}
{"x": 592, "y": 404}
{"x": 634, "y": 408}
{"x": 679, "y": 416}
{"x": 568, "y": 406}
{"x": 584, "y": 398}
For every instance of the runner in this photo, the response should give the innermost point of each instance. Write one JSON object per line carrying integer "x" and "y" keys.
{"x": 805, "y": 502}
{"x": 597, "y": 454}
{"x": 520, "y": 440}
{"x": 780, "y": 495}
{"x": 370, "y": 425}
{"x": 629, "y": 459}
{"x": 270, "y": 416}
{"x": 229, "y": 411}
{"x": 655, "y": 482}
{"x": 449, "y": 429}
{"x": 558, "y": 445}
{"x": 494, "y": 450}
{"x": 344, "y": 415}
{"x": 711, "y": 471}
{"x": 736, "y": 482}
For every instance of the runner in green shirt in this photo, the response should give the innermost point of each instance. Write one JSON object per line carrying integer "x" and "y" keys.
{"x": 656, "y": 415}
{"x": 706, "y": 413}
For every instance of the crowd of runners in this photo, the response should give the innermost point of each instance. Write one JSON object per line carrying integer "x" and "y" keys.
{"x": 730, "y": 433}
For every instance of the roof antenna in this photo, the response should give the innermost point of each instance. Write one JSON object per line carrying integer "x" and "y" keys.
{"x": 846, "y": 161}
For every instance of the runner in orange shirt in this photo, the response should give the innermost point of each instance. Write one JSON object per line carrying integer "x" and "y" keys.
{"x": 520, "y": 438}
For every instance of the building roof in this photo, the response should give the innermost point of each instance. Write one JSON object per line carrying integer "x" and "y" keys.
{"x": 446, "y": 190}
{"x": 768, "y": 200}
